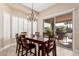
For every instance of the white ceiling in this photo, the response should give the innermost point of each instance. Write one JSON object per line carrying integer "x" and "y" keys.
{"x": 38, "y": 6}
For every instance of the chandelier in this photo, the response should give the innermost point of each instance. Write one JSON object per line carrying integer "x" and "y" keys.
{"x": 32, "y": 16}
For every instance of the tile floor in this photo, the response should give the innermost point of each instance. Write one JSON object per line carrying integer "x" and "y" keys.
{"x": 65, "y": 43}
{"x": 10, "y": 51}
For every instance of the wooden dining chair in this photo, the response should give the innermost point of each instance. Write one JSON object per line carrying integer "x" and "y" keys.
{"x": 24, "y": 33}
{"x": 27, "y": 46}
{"x": 18, "y": 44}
{"x": 49, "y": 47}
{"x": 37, "y": 34}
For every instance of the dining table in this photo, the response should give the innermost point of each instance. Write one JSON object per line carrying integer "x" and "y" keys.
{"x": 41, "y": 40}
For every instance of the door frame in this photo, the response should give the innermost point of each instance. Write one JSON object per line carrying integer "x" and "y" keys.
{"x": 62, "y": 13}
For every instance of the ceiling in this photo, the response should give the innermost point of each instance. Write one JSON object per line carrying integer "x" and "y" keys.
{"x": 38, "y": 6}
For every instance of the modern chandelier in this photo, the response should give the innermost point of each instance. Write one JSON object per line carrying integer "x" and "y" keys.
{"x": 32, "y": 16}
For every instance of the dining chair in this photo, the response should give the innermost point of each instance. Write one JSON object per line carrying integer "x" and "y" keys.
{"x": 46, "y": 34}
{"x": 24, "y": 33}
{"x": 18, "y": 44}
{"x": 50, "y": 46}
{"x": 27, "y": 46}
{"x": 37, "y": 34}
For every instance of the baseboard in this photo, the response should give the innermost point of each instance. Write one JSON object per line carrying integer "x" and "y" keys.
{"x": 7, "y": 46}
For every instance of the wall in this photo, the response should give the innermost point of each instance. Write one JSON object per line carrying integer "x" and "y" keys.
{"x": 59, "y": 9}
{"x": 11, "y": 9}
{"x": 5, "y": 8}
{"x": 76, "y": 30}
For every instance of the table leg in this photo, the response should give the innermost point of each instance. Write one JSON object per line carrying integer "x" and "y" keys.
{"x": 55, "y": 49}
{"x": 43, "y": 50}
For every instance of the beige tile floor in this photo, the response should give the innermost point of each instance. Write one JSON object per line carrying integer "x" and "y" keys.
{"x": 10, "y": 51}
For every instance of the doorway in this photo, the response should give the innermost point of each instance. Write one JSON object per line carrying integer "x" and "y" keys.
{"x": 63, "y": 27}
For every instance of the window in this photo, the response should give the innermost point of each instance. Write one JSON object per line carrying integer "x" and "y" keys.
{"x": 6, "y": 26}
{"x": 14, "y": 26}
{"x": 34, "y": 27}
{"x": 21, "y": 26}
{"x": 25, "y": 25}
{"x": 29, "y": 28}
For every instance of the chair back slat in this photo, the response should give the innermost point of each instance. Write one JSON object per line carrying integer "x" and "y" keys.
{"x": 50, "y": 43}
{"x": 37, "y": 34}
{"x": 24, "y": 41}
{"x": 16, "y": 36}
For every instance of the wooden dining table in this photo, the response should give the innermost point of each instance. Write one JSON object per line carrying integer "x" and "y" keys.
{"x": 42, "y": 41}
